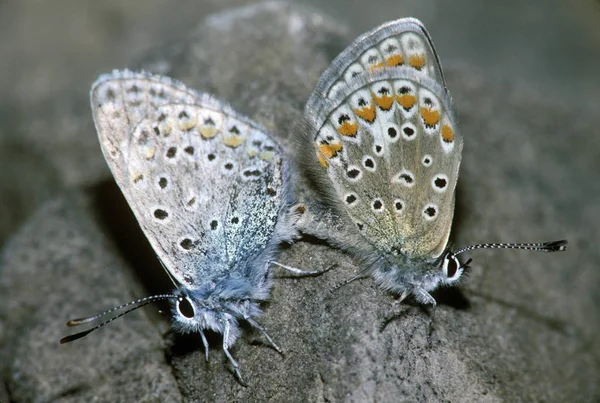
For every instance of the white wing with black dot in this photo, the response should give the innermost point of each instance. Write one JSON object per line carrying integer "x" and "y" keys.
{"x": 386, "y": 139}
{"x": 205, "y": 184}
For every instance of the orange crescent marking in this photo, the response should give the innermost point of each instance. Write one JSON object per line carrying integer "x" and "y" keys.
{"x": 407, "y": 101}
{"x": 384, "y": 102}
{"x": 430, "y": 116}
{"x": 447, "y": 134}
{"x": 330, "y": 150}
{"x": 233, "y": 141}
{"x": 376, "y": 66}
{"x": 394, "y": 60}
{"x": 324, "y": 163}
{"x": 367, "y": 113}
{"x": 348, "y": 129}
{"x": 417, "y": 61}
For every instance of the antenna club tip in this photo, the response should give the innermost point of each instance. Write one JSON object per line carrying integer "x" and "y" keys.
{"x": 557, "y": 246}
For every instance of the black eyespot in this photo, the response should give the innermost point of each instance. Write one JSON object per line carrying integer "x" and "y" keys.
{"x": 378, "y": 149}
{"x": 362, "y": 102}
{"x": 398, "y": 205}
{"x": 407, "y": 178}
{"x": 235, "y": 220}
{"x": 209, "y": 122}
{"x": 377, "y": 205}
{"x": 234, "y": 130}
{"x": 160, "y": 214}
{"x": 214, "y": 224}
{"x": 353, "y": 173}
{"x": 451, "y": 267}
{"x": 162, "y": 182}
{"x": 189, "y": 150}
{"x": 185, "y": 308}
{"x": 430, "y": 211}
{"x": 440, "y": 182}
{"x": 228, "y": 166}
{"x": 211, "y": 157}
{"x": 183, "y": 115}
{"x": 369, "y": 163}
{"x": 428, "y": 101}
{"x": 171, "y": 152}
{"x": 251, "y": 172}
{"x": 392, "y": 132}
{"x": 186, "y": 244}
{"x": 404, "y": 90}
{"x": 350, "y": 199}
{"x": 409, "y": 131}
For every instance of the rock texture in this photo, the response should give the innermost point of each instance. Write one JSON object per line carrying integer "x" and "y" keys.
{"x": 523, "y": 326}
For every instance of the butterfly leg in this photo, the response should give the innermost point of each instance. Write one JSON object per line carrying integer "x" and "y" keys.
{"x": 233, "y": 362}
{"x": 302, "y": 273}
{"x": 256, "y": 325}
{"x": 204, "y": 343}
{"x": 426, "y": 298}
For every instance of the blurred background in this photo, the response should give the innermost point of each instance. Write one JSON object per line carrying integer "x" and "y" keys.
{"x": 52, "y": 51}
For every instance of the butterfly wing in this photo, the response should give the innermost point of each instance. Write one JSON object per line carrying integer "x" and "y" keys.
{"x": 403, "y": 42}
{"x": 387, "y": 142}
{"x": 205, "y": 184}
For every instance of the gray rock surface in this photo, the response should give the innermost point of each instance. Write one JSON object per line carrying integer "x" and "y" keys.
{"x": 523, "y": 326}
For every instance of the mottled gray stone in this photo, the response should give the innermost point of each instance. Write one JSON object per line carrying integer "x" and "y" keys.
{"x": 523, "y": 326}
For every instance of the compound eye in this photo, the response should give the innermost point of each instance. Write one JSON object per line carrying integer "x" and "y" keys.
{"x": 451, "y": 267}
{"x": 185, "y": 308}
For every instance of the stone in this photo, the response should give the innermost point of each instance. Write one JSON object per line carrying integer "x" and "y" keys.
{"x": 522, "y": 326}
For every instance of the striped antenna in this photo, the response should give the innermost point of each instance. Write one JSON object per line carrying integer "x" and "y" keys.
{"x": 137, "y": 304}
{"x": 553, "y": 246}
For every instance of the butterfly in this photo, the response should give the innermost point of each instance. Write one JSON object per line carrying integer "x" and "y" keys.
{"x": 209, "y": 189}
{"x": 381, "y": 148}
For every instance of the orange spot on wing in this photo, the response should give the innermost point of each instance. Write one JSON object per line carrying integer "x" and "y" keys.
{"x": 348, "y": 129}
{"x": 330, "y": 150}
{"x": 208, "y": 132}
{"x": 367, "y": 113}
{"x": 377, "y": 66}
{"x": 384, "y": 102}
{"x": 430, "y": 116}
{"x": 233, "y": 141}
{"x": 322, "y": 161}
{"x": 187, "y": 124}
{"x": 394, "y": 60}
{"x": 447, "y": 134}
{"x": 417, "y": 61}
{"x": 407, "y": 101}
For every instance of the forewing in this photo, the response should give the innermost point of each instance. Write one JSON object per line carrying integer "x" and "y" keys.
{"x": 401, "y": 43}
{"x": 204, "y": 183}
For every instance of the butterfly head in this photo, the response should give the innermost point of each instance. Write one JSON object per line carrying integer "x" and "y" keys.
{"x": 451, "y": 269}
{"x": 215, "y": 306}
